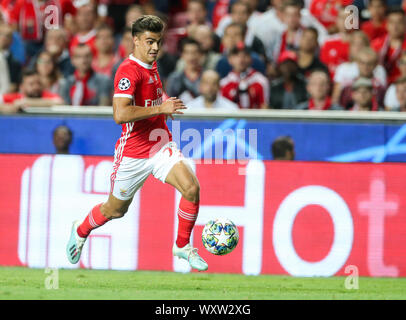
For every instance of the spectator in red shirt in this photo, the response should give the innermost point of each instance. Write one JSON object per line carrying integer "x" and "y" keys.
{"x": 336, "y": 49}
{"x": 390, "y": 47}
{"x": 326, "y": 11}
{"x": 32, "y": 94}
{"x": 376, "y": 26}
{"x": 31, "y": 17}
{"x": 106, "y": 57}
{"x": 248, "y": 88}
{"x": 85, "y": 18}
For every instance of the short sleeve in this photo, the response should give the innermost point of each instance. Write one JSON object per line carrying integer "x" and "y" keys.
{"x": 125, "y": 82}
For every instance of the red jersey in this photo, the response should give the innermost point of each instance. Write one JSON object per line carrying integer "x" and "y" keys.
{"x": 388, "y": 56}
{"x": 250, "y": 90}
{"x": 9, "y": 98}
{"x": 326, "y": 11}
{"x": 373, "y": 31}
{"x": 334, "y": 52}
{"x": 32, "y": 14}
{"x": 140, "y": 82}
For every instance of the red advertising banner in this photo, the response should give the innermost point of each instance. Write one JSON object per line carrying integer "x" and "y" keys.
{"x": 296, "y": 218}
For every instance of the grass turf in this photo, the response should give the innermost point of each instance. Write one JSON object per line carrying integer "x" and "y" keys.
{"x": 24, "y": 283}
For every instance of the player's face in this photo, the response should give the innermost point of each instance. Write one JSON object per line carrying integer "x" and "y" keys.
{"x": 147, "y": 46}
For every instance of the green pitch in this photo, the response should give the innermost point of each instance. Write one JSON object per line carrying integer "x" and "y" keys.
{"x": 24, "y": 283}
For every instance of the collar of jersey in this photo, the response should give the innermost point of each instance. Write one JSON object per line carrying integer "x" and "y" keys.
{"x": 142, "y": 64}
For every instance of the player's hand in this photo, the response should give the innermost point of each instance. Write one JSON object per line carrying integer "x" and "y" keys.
{"x": 172, "y": 106}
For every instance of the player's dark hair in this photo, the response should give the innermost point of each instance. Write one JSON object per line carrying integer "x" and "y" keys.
{"x": 280, "y": 146}
{"x": 147, "y": 23}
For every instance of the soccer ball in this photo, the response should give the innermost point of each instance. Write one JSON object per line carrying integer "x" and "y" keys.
{"x": 220, "y": 236}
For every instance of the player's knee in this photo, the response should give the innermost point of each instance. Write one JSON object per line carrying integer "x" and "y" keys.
{"x": 192, "y": 192}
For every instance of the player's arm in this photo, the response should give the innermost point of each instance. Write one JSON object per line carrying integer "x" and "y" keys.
{"x": 124, "y": 111}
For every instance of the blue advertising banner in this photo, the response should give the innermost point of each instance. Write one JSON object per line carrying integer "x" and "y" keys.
{"x": 225, "y": 139}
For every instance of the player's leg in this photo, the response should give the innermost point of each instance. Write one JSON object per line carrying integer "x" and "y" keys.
{"x": 185, "y": 181}
{"x": 125, "y": 181}
{"x": 98, "y": 216}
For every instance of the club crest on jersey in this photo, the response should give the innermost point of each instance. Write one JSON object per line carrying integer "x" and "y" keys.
{"x": 124, "y": 84}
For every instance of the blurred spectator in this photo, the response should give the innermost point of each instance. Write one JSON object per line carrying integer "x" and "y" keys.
{"x": 389, "y": 47}
{"x": 106, "y": 58}
{"x": 376, "y": 26}
{"x": 283, "y": 148}
{"x": 290, "y": 38}
{"x": 56, "y": 43}
{"x": 48, "y": 71}
{"x": 233, "y": 35}
{"x": 391, "y": 102}
{"x": 318, "y": 88}
{"x": 307, "y": 56}
{"x": 133, "y": 12}
{"x": 362, "y": 95}
{"x": 13, "y": 67}
{"x": 326, "y": 11}
{"x": 204, "y": 35}
{"x": 196, "y": 13}
{"x": 17, "y": 45}
{"x": 125, "y": 49}
{"x": 290, "y": 89}
{"x": 365, "y": 66}
{"x": 31, "y": 17}
{"x": 85, "y": 18}
{"x": 4, "y": 75}
{"x": 185, "y": 84}
{"x": 183, "y": 24}
{"x": 336, "y": 49}
{"x": 269, "y": 26}
{"x": 31, "y": 94}
{"x": 62, "y": 138}
{"x": 248, "y": 88}
{"x": 210, "y": 97}
{"x": 85, "y": 87}
{"x": 401, "y": 93}
{"x": 241, "y": 11}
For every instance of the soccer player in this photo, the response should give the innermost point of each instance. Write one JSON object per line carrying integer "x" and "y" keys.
{"x": 138, "y": 107}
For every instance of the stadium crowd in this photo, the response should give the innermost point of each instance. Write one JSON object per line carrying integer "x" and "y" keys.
{"x": 277, "y": 54}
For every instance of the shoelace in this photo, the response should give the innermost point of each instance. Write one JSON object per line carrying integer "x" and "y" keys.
{"x": 193, "y": 251}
